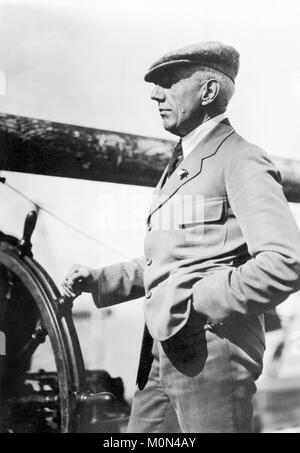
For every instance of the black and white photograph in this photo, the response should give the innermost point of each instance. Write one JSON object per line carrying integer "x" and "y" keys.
{"x": 149, "y": 219}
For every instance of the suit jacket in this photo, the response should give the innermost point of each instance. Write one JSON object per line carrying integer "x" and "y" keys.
{"x": 220, "y": 239}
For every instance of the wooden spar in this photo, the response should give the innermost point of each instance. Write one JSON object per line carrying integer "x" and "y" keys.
{"x": 55, "y": 149}
{"x": 290, "y": 174}
{"x": 30, "y": 145}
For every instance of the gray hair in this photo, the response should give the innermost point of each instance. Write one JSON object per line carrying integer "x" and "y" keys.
{"x": 226, "y": 90}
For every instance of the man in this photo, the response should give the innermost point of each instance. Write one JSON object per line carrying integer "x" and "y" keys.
{"x": 221, "y": 248}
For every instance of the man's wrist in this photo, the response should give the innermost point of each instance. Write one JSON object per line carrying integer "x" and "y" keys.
{"x": 93, "y": 285}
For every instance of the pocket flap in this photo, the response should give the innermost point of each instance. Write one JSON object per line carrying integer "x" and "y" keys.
{"x": 201, "y": 212}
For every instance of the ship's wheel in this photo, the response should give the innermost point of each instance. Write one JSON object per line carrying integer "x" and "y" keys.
{"x": 32, "y": 311}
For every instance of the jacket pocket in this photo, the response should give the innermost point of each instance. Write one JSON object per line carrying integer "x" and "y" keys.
{"x": 205, "y": 211}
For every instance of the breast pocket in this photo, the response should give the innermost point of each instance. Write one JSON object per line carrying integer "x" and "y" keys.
{"x": 203, "y": 222}
{"x": 202, "y": 211}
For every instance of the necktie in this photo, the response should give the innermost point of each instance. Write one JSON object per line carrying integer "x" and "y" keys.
{"x": 175, "y": 158}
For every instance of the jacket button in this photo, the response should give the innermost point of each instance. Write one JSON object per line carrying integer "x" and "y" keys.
{"x": 148, "y": 294}
{"x": 149, "y": 226}
{"x": 148, "y": 261}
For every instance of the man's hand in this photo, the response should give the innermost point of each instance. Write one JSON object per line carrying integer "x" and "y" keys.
{"x": 79, "y": 279}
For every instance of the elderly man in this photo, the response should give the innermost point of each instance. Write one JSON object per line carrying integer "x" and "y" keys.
{"x": 221, "y": 248}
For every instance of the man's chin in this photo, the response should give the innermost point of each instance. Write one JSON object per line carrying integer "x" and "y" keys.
{"x": 170, "y": 128}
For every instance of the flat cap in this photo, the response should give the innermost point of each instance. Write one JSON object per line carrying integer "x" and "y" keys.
{"x": 211, "y": 54}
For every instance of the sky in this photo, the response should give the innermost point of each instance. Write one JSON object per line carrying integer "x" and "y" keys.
{"x": 83, "y": 61}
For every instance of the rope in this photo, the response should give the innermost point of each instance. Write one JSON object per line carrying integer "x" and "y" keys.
{"x": 64, "y": 222}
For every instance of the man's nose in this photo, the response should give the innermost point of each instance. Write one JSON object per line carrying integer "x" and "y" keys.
{"x": 158, "y": 94}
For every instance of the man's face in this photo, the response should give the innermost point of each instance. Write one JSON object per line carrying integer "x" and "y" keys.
{"x": 178, "y": 96}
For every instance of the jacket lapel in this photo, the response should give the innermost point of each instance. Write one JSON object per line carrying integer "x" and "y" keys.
{"x": 191, "y": 166}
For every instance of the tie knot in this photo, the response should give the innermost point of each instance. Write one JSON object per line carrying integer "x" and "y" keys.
{"x": 178, "y": 149}
{"x": 175, "y": 158}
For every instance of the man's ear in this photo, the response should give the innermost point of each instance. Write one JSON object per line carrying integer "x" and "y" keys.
{"x": 209, "y": 91}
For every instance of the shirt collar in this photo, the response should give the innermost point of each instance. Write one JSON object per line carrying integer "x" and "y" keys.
{"x": 191, "y": 140}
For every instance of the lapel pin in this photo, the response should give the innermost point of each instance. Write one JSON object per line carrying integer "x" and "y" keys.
{"x": 182, "y": 173}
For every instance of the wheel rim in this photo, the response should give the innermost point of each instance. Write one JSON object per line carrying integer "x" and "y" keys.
{"x": 57, "y": 320}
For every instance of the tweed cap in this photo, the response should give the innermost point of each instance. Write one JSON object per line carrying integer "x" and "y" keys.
{"x": 211, "y": 54}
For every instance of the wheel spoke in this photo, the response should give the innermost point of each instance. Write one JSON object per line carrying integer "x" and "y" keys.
{"x": 26, "y": 352}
